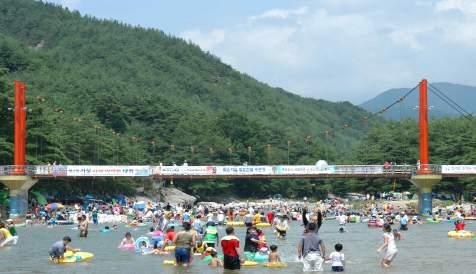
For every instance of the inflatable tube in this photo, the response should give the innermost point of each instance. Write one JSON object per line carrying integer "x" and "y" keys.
{"x": 260, "y": 258}
{"x": 10, "y": 241}
{"x": 70, "y": 257}
{"x": 207, "y": 259}
{"x": 374, "y": 224}
{"x": 473, "y": 218}
{"x": 460, "y": 234}
{"x": 249, "y": 263}
{"x": 104, "y": 230}
{"x": 235, "y": 224}
{"x": 431, "y": 221}
{"x": 128, "y": 247}
{"x": 64, "y": 222}
{"x": 276, "y": 265}
{"x": 140, "y": 240}
{"x": 263, "y": 225}
{"x": 169, "y": 248}
{"x": 169, "y": 262}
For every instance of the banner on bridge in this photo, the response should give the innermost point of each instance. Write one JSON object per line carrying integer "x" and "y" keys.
{"x": 244, "y": 170}
{"x": 184, "y": 170}
{"x": 303, "y": 170}
{"x": 458, "y": 169}
{"x": 108, "y": 171}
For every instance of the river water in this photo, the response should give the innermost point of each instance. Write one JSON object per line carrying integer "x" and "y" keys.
{"x": 423, "y": 249}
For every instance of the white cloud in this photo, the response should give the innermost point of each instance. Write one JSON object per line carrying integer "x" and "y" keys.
{"x": 467, "y": 7}
{"x": 280, "y": 13}
{"x": 347, "y": 52}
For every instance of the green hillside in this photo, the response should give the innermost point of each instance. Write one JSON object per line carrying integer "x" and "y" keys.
{"x": 103, "y": 92}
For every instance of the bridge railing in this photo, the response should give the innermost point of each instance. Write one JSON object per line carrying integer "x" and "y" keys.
{"x": 427, "y": 169}
{"x": 374, "y": 169}
{"x": 26, "y": 170}
{"x": 278, "y": 171}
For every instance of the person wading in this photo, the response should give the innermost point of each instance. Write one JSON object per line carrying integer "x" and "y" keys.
{"x": 312, "y": 250}
{"x": 184, "y": 241}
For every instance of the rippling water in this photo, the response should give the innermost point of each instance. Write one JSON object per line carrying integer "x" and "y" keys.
{"x": 424, "y": 249}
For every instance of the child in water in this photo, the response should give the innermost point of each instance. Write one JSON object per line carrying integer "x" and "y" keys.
{"x": 215, "y": 262}
{"x": 274, "y": 256}
{"x": 337, "y": 258}
{"x": 389, "y": 246}
{"x": 396, "y": 234}
{"x": 128, "y": 240}
{"x": 459, "y": 225}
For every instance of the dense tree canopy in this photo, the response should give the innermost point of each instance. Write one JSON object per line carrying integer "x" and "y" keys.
{"x": 102, "y": 92}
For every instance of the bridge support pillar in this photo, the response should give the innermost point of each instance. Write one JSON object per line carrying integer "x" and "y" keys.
{"x": 18, "y": 187}
{"x": 424, "y": 184}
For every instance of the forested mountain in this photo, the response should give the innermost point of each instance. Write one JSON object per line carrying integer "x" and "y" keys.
{"x": 462, "y": 95}
{"x": 103, "y": 92}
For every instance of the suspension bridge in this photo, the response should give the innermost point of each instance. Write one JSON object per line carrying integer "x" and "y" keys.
{"x": 20, "y": 177}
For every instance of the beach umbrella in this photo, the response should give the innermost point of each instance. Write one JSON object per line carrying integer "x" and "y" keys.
{"x": 54, "y": 206}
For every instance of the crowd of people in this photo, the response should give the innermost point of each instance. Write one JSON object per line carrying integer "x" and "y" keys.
{"x": 187, "y": 230}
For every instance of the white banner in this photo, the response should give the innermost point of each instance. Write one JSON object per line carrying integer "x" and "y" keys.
{"x": 244, "y": 170}
{"x": 359, "y": 169}
{"x": 304, "y": 170}
{"x": 184, "y": 170}
{"x": 108, "y": 171}
{"x": 458, "y": 169}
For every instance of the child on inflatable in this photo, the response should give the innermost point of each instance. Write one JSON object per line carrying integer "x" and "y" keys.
{"x": 459, "y": 225}
{"x": 7, "y": 237}
{"x": 274, "y": 256}
{"x": 127, "y": 242}
{"x": 58, "y": 249}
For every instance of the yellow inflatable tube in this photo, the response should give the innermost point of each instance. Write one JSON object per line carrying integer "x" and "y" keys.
{"x": 460, "y": 234}
{"x": 249, "y": 263}
{"x": 76, "y": 257}
{"x": 169, "y": 262}
{"x": 263, "y": 225}
{"x": 276, "y": 265}
{"x": 235, "y": 224}
{"x": 169, "y": 248}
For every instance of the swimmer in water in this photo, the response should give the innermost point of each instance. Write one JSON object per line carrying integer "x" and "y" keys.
{"x": 342, "y": 230}
{"x": 128, "y": 240}
{"x": 215, "y": 262}
{"x": 396, "y": 234}
{"x": 274, "y": 256}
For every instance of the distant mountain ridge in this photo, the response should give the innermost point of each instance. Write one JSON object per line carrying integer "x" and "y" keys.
{"x": 463, "y": 95}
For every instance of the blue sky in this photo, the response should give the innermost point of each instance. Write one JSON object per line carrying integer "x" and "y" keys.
{"x": 330, "y": 49}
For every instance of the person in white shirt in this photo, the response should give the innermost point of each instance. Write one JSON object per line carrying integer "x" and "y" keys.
{"x": 389, "y": 245}
{"x": 337, "y": 258}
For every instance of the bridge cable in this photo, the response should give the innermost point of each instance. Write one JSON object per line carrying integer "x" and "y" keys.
{"x": 397, "y": 101}
{"x": 449, "y": 99}
{"x": 463, "y": 113}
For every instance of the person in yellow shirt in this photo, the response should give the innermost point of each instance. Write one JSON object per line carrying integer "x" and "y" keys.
{"x": 7, "y": 238}
{"x": 256, "y": 218}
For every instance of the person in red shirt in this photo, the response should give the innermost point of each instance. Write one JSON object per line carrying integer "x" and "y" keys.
{"x": 459, "y": 225}
{"x": 270, "y": 216}
{"x": 231, "y": 250}
{"x": 169, "y": 237}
